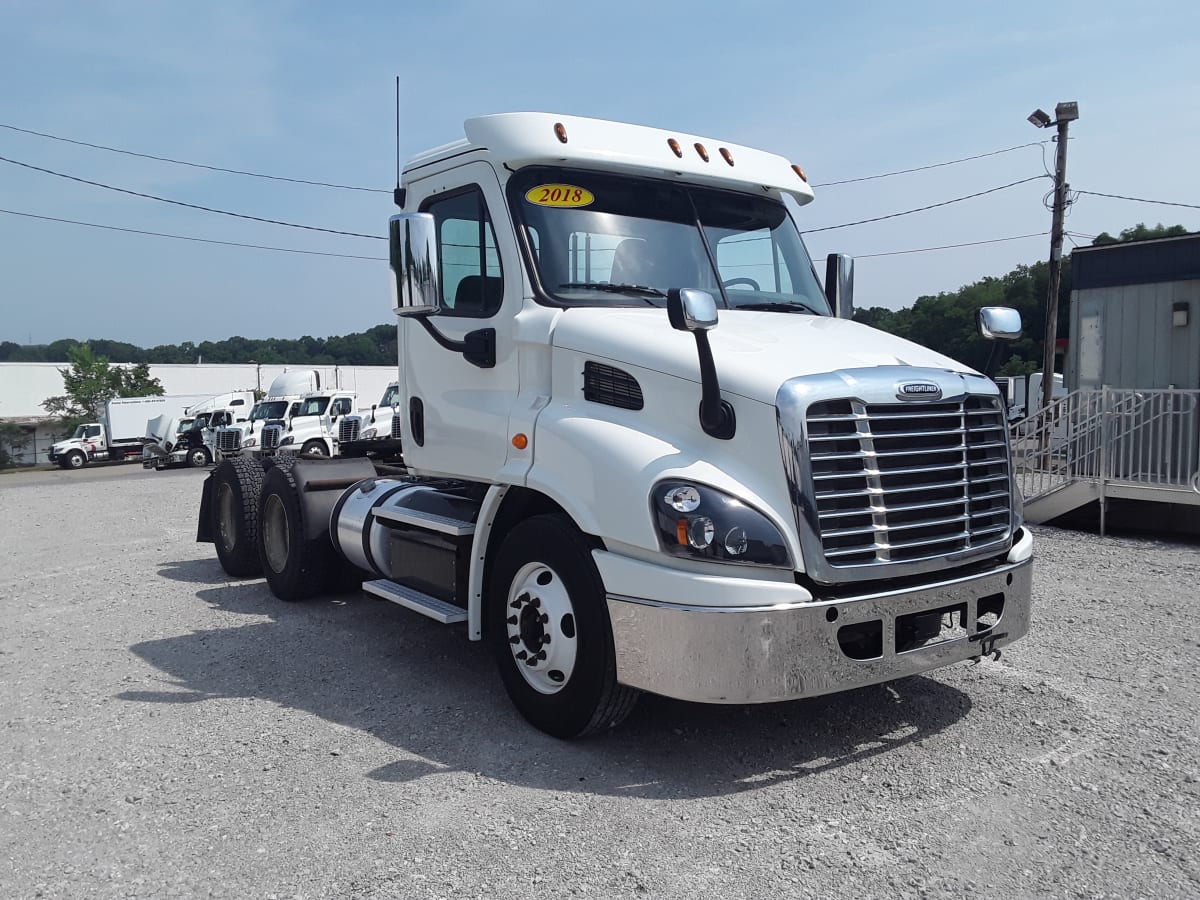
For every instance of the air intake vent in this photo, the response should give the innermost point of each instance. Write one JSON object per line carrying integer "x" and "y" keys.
{"x": 228, "y": 440}
{"x": 270, "y": 436}
{"x": 613, "y": 387}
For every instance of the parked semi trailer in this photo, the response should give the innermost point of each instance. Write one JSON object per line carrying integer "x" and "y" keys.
{"x": 644, "y": 449}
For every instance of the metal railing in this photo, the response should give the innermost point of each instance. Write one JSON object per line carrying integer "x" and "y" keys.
{"x": 1107, "y": 436}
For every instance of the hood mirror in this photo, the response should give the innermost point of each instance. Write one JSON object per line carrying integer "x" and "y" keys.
{"x": 691, "y": 310}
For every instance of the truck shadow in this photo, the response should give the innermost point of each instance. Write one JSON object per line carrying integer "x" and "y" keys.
{"x": 425, "y": 690}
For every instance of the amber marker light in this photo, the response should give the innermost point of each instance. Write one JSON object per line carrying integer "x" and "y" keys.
{"x": 681, "y": 532}
{"x": 560, "y": 131}
{"x": 727, "y": 156}
{"x": 703, "y": 153}
{"x": 520, "y": 441}
{"x": 799, "y": 171}
{"x": 675, "y": 148}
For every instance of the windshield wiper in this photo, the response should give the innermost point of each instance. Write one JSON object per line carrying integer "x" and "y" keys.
{"x": 615, "y": 288}
{"x": 775, "y": 307}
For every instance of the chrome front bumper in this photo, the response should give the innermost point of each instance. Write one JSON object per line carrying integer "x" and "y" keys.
{"x": 764, "y": 654}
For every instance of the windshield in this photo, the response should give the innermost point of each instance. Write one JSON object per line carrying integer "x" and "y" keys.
{"x": 627, "y": 240}
{"x": 313, "y": 406}
{"x": 269, "y": 409}
{"x": 202, "y": 420}
{"x": 391, "y": 396}
{"x": 184, "y": 425}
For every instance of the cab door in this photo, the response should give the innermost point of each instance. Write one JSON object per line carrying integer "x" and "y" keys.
{"x": 455, "y": 412}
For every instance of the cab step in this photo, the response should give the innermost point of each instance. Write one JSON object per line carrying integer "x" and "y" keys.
{"x": 426, "y": 520}
{"x": 438, "y": 610}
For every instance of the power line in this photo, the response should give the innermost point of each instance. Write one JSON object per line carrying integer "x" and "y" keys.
{"x": 194, "y": 165}
{"x": 183, "y": 237}
{"x": 210, "y": 209}
{"x": 1139, "y": 199}
{"x": 951, "y": 162}
{"x": 919, "y": 208}
{"x": 1017, "y": 237}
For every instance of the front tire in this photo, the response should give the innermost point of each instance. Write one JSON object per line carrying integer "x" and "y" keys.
{"x": 314, "y": 448}
{"x": 74, "y": 460}
{"x": 199, "y": 457}
{"x": 548, "y": 628}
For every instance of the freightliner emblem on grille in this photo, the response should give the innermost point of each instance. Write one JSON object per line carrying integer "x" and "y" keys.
{"x": 918, "y": 390}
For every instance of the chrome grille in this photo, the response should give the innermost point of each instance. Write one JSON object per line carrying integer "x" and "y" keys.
{"x": 229, "y": 439}
{"x": 270, "y": 436}
{"x": 348, "y": 428}
{"x": 396, "y": 424}
{"x": 906, "y": 482}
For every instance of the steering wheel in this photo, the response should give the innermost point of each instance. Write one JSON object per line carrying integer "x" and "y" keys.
{"x": 736, "y": 281}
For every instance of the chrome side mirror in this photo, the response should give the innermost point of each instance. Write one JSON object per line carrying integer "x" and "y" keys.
{"x": 999, "y": 323}
{"x": 689, "y": 309}
{"x": 412, "y": 251}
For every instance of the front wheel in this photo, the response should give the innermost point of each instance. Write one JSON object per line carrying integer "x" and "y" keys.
{"x": 74, "y": 460}
{"x": 199, "y": 457}
{"x": 314, "y": 448}
{"x": 548, "y": 628}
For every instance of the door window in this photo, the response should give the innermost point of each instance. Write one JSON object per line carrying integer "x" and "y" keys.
{"x": 471, "y": 280}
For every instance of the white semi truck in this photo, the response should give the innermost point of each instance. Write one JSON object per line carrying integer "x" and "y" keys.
{"x": 312, "y": 429}
{"x": 121, "y": 432}
{"x": 169, "y": 444}
{"x": 374, "y": 433}
{"x": 644, "y": 449}
{"x": 246, "y": 436}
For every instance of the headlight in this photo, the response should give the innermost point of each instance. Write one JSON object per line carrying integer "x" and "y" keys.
{"x": 703, "y": 523}
{"x": 251, "y": 442}
{"x": 290, "y": 439}
{"x": 368, "y": 434}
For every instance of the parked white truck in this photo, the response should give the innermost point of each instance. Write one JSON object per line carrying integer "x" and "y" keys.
{"x": 246, "y": 437}
{"x": 196, "y": 445}
{"x": 120, "y": 433}
{"x": 643, "y": 453}
{"x": 312, "y": 429}
{"x": 374, "y": 433}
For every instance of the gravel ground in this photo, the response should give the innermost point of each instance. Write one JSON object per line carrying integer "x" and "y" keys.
{"x": 170, "y": 733}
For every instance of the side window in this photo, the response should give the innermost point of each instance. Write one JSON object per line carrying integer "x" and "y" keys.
{"x": 471, "y": 280}
{"x": 93, "y": 431}
{"x": 341, "y": 406}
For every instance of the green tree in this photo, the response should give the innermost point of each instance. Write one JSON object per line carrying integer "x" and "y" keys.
{"x": 91, "y": 381}
{"x": 13, "y": 439}
{"x": 1139, "y": 232}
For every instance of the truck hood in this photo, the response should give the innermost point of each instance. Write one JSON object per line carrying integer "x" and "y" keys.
{"x": 755, "y": 352}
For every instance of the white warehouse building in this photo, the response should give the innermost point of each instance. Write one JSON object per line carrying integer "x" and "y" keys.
{"x": 24, "y": 386}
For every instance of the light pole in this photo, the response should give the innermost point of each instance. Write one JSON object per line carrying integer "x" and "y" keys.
{"x": 1065, "y": 114}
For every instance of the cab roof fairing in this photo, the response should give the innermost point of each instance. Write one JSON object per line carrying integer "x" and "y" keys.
{"x": 521, "y": 139}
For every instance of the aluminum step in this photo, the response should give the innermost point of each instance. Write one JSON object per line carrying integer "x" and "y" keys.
{"x": 439, "y": 610}
{"x": 428, "y": 521}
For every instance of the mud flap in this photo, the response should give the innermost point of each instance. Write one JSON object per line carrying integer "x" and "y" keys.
{"x": 204, "y": 524}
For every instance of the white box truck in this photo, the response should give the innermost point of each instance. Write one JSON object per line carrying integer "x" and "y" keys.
{"x": 121, "y": 432}
{"x": 643, "y": 450}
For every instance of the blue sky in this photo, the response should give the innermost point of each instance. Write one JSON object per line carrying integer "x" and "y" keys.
{"x": 305, "y": 90}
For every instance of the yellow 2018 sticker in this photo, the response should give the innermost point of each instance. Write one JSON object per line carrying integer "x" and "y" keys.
{"x": 562, "y": 195}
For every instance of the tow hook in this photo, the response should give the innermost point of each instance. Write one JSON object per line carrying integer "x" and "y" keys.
{"x": 987, "y": 643}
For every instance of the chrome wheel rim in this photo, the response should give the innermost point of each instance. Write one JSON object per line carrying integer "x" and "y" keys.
{"x": 541, "y": 628}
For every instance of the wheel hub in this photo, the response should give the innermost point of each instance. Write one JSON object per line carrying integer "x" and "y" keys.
{"x": 275, "y": 535}
{"x": 226, "y": 521}
{"x": 541, "y": 628}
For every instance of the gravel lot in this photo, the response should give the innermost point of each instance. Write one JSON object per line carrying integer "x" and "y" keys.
{"x": 170, "y": 733}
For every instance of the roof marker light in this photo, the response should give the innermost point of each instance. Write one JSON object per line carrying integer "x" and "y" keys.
{"x": 560, "y": 131}
{"x": 703, "y": 153}
{"x": 799, "y": 171}
{"x": 675, "y": 148}
{"x": 728, "y": 157}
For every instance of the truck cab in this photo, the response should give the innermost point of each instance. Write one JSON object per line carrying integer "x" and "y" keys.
{"x": 374, "y": 432}
{"x": 87, "y": 443}
{"x": 642, "y": 451}
{"x": 312, "y": 428}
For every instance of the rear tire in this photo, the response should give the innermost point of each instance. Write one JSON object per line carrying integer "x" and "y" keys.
{"x": 237, "y": 484}
{"x": 547, "y": 625}
{"x": 295, "y": 568}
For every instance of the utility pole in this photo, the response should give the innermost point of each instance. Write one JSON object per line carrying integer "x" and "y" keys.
{"x": 1065, "y": 114}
